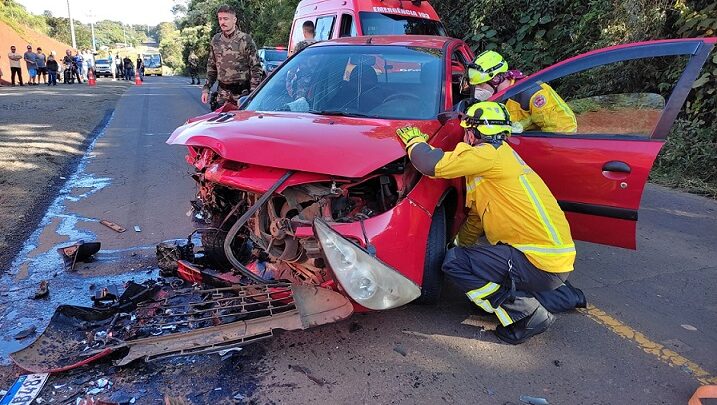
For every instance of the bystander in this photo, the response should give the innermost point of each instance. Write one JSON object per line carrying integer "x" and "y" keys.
{"x": 30, "y": 59}
{"x": 41, "y": 61}
{"x": 52, "y": 68}
{"x": 15, "y": 69}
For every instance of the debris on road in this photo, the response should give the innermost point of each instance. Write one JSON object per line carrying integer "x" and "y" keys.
{"x": 43, "y": 290}
{"x": 173, "y": 317}
{"x": 26, "y": 332}
{"x": 533, "y": 400}
{"x": 319, "y": 381}
{"x": 689, "y": 327}
{"x": 171, "y": 252}
{"x": 80, "y": 251}
{"x": 105, "y": 297}
{"x": 113, "y": 226}
{"x": 400, "y": 350}
{"x": 137, "y": 228}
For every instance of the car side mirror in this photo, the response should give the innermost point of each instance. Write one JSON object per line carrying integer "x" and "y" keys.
{"x": 447, "y": 116}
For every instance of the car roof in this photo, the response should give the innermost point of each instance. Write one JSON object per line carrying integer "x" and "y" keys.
{"x": 424, "y": 41}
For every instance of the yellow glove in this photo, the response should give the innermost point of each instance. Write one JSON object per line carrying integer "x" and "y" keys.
{"x": 411, "y": 136}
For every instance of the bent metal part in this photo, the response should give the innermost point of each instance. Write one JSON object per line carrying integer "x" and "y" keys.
{"x": 230, "y": 316}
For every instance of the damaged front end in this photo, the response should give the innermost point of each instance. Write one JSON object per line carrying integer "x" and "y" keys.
{"x": 160, "y": 320}
{"x": 285, "y": 232}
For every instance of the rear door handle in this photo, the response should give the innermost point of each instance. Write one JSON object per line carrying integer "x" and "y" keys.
{"x": 616, "y": 166}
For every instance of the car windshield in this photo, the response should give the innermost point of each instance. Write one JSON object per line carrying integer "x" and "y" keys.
{"x": 102, "y": 62}
{"x": 391, "y": 24}
{"x": 391, "y": 82}
{"x": 152, "y": 61}
{"x": 275, "y": 55}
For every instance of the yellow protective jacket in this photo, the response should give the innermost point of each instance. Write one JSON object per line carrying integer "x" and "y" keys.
{"x": 507, "y": 200}
{"x": 542, "y": 110}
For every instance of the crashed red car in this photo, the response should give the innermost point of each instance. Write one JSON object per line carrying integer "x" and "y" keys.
{"x": 307, "y": 183}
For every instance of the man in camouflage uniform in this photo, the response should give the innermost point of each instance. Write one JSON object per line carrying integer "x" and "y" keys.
{"x": 309, "y": 37}
{"x": 232, "y": 60}
{"x": 193, "y": 66}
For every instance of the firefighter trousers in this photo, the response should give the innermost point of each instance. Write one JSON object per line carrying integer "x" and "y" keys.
{"x": 501, "y": 280}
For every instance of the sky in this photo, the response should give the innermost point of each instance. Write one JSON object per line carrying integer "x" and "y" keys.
{"x": 151, "y": 12}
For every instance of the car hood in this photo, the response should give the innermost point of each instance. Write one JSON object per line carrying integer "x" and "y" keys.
{"x": 339, "y": 146}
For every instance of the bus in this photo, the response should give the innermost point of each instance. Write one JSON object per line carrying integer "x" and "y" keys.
{"x": 153, "y": 64}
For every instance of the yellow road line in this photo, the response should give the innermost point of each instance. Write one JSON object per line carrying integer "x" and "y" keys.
{"x": 666, "y": 355}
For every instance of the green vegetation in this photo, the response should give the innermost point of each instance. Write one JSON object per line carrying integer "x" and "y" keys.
{"x": 268, "y": 22}
{"x": 534, "y": 34}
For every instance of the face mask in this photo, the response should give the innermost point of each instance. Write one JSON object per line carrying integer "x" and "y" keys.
{"x": 482, "y": 94}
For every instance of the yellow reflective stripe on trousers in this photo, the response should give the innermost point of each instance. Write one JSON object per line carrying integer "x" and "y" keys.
{"x": 477, "y": 295}
{"x": 546, "y": 250}
{"x": 484, "y": 291}
{"x": 540, "y": 210}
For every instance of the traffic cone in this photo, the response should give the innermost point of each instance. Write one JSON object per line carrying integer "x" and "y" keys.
{"x": 137, "y": 80}
{"x": 91, "y": 78}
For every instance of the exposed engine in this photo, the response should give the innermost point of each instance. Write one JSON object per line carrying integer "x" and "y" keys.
{"x": 267, "y": 244}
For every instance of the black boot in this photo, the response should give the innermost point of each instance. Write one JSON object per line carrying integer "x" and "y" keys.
{"x": 518, "y": 332}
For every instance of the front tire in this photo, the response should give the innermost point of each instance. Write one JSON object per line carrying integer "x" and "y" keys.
{"x": 435, "y": 252}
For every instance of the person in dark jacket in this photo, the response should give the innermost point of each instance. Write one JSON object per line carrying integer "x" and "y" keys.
{"x": 52, "y": 68}
{"x": 128, "y": 68}
{"x": 140, "y": 67}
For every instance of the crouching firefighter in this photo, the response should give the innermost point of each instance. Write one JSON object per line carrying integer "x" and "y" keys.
{"x": 521, "y": 276}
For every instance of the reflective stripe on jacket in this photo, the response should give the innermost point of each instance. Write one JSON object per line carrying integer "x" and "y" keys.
{"x": 543, "y": 110}
{"x": 509, "y": 200}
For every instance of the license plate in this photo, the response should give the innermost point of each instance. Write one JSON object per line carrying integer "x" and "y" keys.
{"x": 25, "y": 389}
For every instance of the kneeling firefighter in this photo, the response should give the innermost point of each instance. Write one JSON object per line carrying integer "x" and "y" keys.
{"x": 539, "y": 108}
{"x": 531, "y": 253}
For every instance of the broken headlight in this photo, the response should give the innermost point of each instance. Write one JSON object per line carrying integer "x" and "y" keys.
{"x": 366, "y": 279}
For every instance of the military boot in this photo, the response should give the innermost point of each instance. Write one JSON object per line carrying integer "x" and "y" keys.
{"x": 522, "y": 330}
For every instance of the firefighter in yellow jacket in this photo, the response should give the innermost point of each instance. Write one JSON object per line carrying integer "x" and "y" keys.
{"x": 531, "y": 251}
{"x": 539, "y": 108}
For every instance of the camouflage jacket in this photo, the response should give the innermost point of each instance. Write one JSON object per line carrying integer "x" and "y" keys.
{"x": 232, "y": 60}
{"x": 303, "y": 44}
{"x": 193, "y": 61}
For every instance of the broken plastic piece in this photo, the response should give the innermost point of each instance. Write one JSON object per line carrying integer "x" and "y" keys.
{"x": 79, "y": 251}
{"x": 26, "y": 332}
{"x": 113, "y": 226}
{"x": 533, "y": 400}
{"x": 137, "y": 228}
{"x": 43, "y": 290}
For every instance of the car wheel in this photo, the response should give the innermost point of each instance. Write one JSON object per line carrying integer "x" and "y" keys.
{"x": 435, "y": 252}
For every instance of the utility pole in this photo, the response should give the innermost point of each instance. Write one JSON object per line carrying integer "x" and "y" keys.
{"x": 91, "y": 16}
{"x": 72, "y": 26}
{"x": 124, "y": 32}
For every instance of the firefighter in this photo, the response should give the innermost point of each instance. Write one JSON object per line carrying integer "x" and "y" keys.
{"x": 531, "y": 252}
{"x": 539, "y": 108}
{"x": 233, "y": 60}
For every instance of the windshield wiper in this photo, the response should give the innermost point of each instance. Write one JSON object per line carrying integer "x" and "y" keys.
{"x": 338, "y": 113}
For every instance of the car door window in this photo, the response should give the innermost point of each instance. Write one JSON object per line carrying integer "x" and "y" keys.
{"x": 624, "y": 98}
{"x": 348, "y": 27}
{"x": 325, "y": 27}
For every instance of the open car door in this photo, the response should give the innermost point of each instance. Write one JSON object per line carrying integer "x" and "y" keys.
{"x": 625, "y": 99}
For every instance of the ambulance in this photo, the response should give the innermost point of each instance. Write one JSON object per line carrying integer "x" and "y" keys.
{"x": 351, "y": 18}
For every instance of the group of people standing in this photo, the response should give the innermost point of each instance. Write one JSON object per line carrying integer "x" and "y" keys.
{"x": 44, "y": 69}
{"x": 124, "y": 68}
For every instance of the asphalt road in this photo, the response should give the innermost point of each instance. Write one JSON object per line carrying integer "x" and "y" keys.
{"x": 650, "y": 335}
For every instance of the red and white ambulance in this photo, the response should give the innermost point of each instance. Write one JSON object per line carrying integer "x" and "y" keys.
{"x": 351, "y": 18}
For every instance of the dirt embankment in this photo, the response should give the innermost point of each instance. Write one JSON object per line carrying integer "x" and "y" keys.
{"x": 43, "y": 132}
{"x": 21, "y": 39}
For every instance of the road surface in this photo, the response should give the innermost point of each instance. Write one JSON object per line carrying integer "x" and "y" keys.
{"x": 650, "y": 334}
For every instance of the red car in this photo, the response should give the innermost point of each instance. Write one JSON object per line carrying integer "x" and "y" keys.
{"x": 307, "y": 182}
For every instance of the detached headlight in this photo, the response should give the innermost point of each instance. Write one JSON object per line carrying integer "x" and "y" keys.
{"x": 366, "y": 279}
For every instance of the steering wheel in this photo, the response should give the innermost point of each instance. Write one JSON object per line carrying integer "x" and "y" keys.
{"x": 396, "y": 96}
